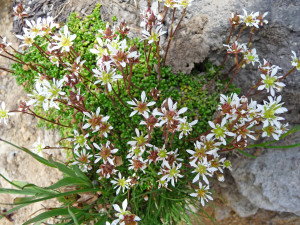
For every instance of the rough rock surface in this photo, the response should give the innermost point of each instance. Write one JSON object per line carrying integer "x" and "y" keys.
{"x": 271, "y": 181}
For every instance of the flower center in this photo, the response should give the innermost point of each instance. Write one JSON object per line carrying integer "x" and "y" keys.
{"x": 269, "y": 81}
{"x": 219, "y": 131}
{"x": 80, "y": 140}
{"x": 201, "y": 192}
{"x": 140, "y": 140}
{"x": 3, "y": 114}
{"x": 65, "y": 41}
{"x": 162, "y": 154}
{"x": 201, "y": 169}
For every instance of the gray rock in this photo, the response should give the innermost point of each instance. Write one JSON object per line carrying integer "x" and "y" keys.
{"x": 271, "y": 181}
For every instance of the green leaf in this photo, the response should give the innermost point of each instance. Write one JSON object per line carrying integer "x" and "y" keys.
{"x": 20, "y": 200}
{"x": 48, "y": 214}
{"x": 38, "y": 190}
{"x": 73, "y": 216}
{"x": 63, "y": 168}
{"x": 17, "y": 191}
{"x": 81, "y": 174}
{"x": 66, "y": 182}
{"x": 13, "y": 183}
{"x": 265, "y": 145}
{"x": 283, "y": 146}
{"x": 246, "y": 154}
{"x": 59, "y": 195}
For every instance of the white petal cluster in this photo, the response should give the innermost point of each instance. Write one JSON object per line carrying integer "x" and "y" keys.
{"x": 123, "y": 216}
{"x": 270, "y": 81}
{"x": 253, "y": 19}
{"x": 295, "y": 61}
{"x": 4, "y": 45}
{"x": 41, "y": 27}
{"x": 46, "y": 94}
{"x": 83, "y": 160}
{"x": 64, "y": 40}
{"x": 4, "y": 113}
{"x": 97, "y": 122}
{"x": 141, "y": 107}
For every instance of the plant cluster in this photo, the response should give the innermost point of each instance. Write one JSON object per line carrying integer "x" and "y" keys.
{"x": 135, "y": 132}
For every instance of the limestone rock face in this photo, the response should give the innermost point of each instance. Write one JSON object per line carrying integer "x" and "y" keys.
{"x": 271, "y": 181}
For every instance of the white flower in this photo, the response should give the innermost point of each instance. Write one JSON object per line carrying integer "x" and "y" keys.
{"x": 271, "y": 82}
{"x": 54, "y": 89}
{"x": 172, "y": 173}
{"x": 39, "y": 96}
{"x": 162, "y": 154}
{"x": 155, "y": 34}
{"x": 140, "y": 140}
{"x": 64, "y": 40}
{"x": 236, "y": 48}
{"x": 34, "y": 27}
{"x": 54, "y": 60}
{"x": 162, "y": 183}
{"x": 121, "y": 183}
{"x": 251, "y": 19}
{"x": 135, "y": 152}
{"x": 4, "y": 45}
{"x": 118, "y": 53}
{"x": 97, "y": 122}
{"x": 219, "y": 131}
{"x": 203, "y": 169}
{"x": 4, "y": 113}
{"x": 80, "y": 140}
{"x": 151, "y": 121}
{"x": 207, "y": 146}
{"x": 170, "y": 113}
{"x": 230, "y": 105}
{"x": 270, "y": 130}
{"x": 106, "y": 170}
{"x": 244, "y": 132}
{"x": 106, "y": 76}
{"x": 250, "y": 56}
{"x": 38, "y": 147}
{"x": 47, "y": 25}
{"x": 141, "y": 107}
{"x": 27, "y": 38}
{"x": 138, "y": 163}
{"x": 185, "y": 127}
{"x": 105, "y": 153}
{"x": 269, "y": 111}
{"x": 171, "y": 4}
{"x": 100, "y": 49}
{"x": 124, "y": 215}
{"x": 295, "y": 61}
{"x": 83, "y": 160}
{"x": 183, "y": 3}
{"x": 202, "y": 193}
